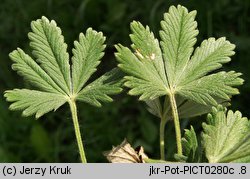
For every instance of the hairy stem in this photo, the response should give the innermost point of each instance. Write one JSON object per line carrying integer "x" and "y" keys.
{"x": 73, "y": 109}
{"x": 162, "y": 137}
{"x": 176, "y": 123}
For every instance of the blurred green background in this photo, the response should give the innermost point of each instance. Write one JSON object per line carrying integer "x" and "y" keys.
{"x": 51, "y": 138}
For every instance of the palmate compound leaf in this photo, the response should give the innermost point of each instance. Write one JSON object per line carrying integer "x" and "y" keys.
{"x": 50, "y": 71}
{"x": 153, "y": 72}
{"x": 226, "y": 136}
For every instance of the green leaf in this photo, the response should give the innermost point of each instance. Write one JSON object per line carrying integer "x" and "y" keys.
{"x": 155, "y": 107}
{"x": 178, "y": 35}
{"x": 32, "y": 72}
{"x": 208, "y": 57}
{"x": 34, "y": 102}
{"x": 50, "y": 51}
{"x": 173, "y": 69}
{"x": 99, "y": 90}
{"x": 226, "y": 136}
{"x": 190, "y": 146}
{"x": 205, "y": 89}
{"x": 147, "y": 49}
{"x": 87, "y": 54}
{"x": 145, "y": 80}
{"x": 186, "y": 108}
{"x": 50, "y": 71}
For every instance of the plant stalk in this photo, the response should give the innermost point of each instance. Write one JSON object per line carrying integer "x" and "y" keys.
{"x": 176, "y": 123}
{"x": 73, "y": 109}
{"x": 149, "y": 160}
{"x": 162, "y": 137}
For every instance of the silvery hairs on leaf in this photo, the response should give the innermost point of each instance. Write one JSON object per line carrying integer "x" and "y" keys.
{"x": 172, "y": 66}
{"x": 57, "y": 81}
{"x": 226, "y": 136}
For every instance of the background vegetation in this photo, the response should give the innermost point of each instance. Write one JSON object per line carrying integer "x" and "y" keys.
{"x": 51, "y": 138}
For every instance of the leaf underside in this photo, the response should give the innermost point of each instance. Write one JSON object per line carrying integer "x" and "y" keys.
{"x": 50, "y": 51}
{"x": 186, "y": 108}
{"x": 172, "y": 66}
{"x": 50, "y": 71}
{"x": 34, "y": 102}
{"x": 99, "y": 90}
{"x": 226, "y": 136}
{"x": 86, "y": 57}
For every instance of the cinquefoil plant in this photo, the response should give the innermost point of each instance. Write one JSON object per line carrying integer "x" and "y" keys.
{"x": 173, "y": 79}
{"x": 56, "y": 80}
{"x": 225, "y": 138}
